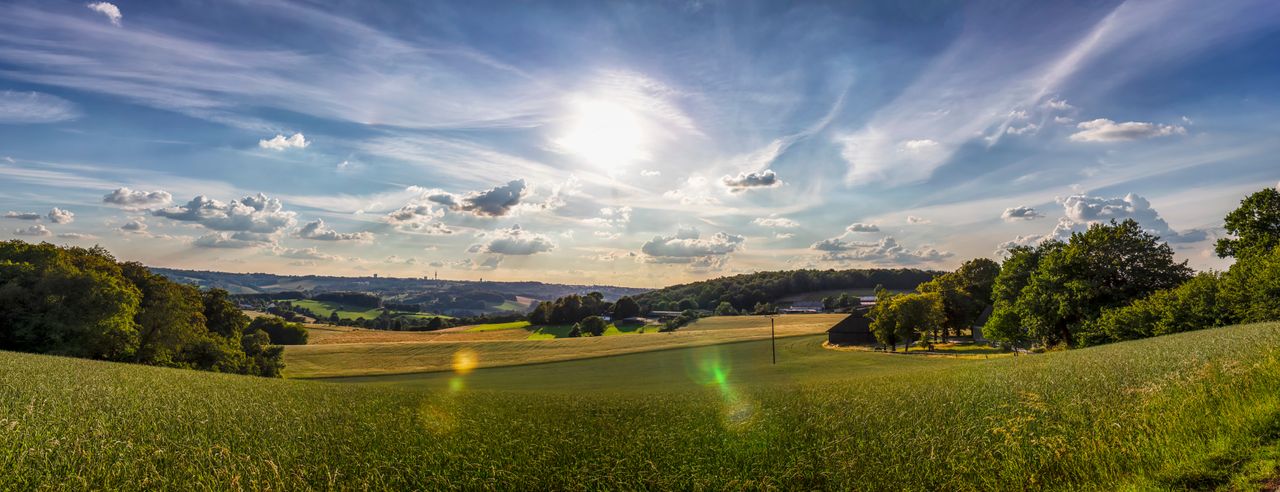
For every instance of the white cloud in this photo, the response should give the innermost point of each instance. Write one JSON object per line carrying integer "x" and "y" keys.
{"x": 493, "y": 202}
{"x": 1080, "y": 211}
{"x": 687, "y": 246}
{"x": 917, "y": 146}
{"x": 911, "y": 219}
{"x": 35, "y": 230}
{"x": 76, "y": 235}
{"x": 1014, "y": 214}
{"x": 60, "y": 216}
{"x": 134, "y": 226}
{"x": 252, "y": 218}
{"x": 136, "y": 199}
{"x": 35, "y": 107}
{"x": 316, "y": 230}
{"x": 230, "y": 240}
{"x": 745, "y": 181}
{"x": 1055, "y": 104}
{"x": 885, "y": 251}
{"x": 515, "y": 241}
{"x": 1104, "y": 130}
{"x": 862, "y": 227}
{"x": 781, "y": 222}
{"x": 22, "y": 215}
{"x": 108, "y": 9}
{"x": 648, "y": 173}
{"x": 612, "y": 217}
{"x": 305, "y": 254}
{"x": 280, "y": 142}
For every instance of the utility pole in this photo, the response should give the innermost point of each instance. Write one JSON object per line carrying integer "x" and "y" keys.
{"x": 773, "y": 341}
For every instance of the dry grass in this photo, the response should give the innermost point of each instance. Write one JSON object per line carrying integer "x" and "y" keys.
{"x": 373, "y": 352}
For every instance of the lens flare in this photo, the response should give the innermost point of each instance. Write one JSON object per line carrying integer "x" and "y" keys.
{"x": 465, "y": 361}
{"x": 737, "y": 412}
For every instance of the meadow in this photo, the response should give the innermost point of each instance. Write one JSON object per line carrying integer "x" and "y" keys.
{"x": 364, "y": 352}
{"x": 1195, "y": 410}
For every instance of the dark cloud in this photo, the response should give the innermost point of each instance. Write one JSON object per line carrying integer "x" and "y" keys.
{"x": 1013, "y": 214}
{"x": 493, "y": 202}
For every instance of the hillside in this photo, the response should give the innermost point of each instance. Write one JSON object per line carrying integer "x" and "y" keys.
{"x": 745, "y": 290}
{"x": 1195, "y": 410}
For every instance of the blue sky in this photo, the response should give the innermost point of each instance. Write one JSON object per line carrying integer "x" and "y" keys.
{"x": 637, "y": 143}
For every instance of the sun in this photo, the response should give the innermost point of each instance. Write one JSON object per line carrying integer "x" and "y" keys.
{"x": 604, "y": 133}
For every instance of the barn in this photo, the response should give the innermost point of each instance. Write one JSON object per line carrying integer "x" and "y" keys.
{"x": 854, "y": 329}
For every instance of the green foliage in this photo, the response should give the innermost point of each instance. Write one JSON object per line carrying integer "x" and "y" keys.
{"x": 1251, "y": 288}
{"x": 1067, "y": 285}
{"x": 626, "y": 307}
{"x": 906, "y": 317}
{"x": 1255, "y": 226}
{"x": 569, "y": 309}
{"x": 592, "y": 325}
{"x": 82, "y": 303}
{"x": 686, "y": 317}
{"x": 1194, "y": 305}
{"x": 280, "y": 331}
{"x": 748, "y": 290}
{"x": 726, "y": 309}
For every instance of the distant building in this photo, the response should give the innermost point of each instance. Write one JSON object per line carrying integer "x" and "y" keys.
{"x": 853, "y": 330}
{"x": 802, "y": 307}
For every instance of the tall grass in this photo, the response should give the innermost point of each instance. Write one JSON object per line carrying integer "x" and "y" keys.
{"x": 1196, "y": 410}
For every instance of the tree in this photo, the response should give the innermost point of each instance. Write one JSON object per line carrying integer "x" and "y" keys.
{"x": 593, "y": 325}
{"x": 1251, "y": 288}
{"x": 884, "y": 321}
{"x": 541, "y": 315}
{"x": 1108, "y": 265}
{"x": 222, "y": 317}
{"x": 280, "y": 331}
{"x": 725, "y": 309}
{"x": 1255, "y": 226}
{"x": 1194, "y": 305}
{"x": 576, "y": 331}
{"x": 686, "y": 304}
{"x": 171, "y": 316}
{"x": 978, "y": 277}
{"x": 917, "y": 316}
{"x": 626, "y": 307}
{"x": 1005, "y": 323}
{"x": 764, "y": 308}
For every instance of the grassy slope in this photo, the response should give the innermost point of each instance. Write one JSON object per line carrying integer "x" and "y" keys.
{"x": 382, "y": 352}
{"x": 1196, "y": 410}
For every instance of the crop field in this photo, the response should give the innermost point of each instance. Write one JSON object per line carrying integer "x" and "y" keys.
{"x": 1191, "y": 411}
{"x": 326, "y": 308}
{"x": 365, "y": 352}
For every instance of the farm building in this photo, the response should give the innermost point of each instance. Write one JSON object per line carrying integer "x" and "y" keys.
{"x": 802, "y": 307}
{"x": 853, "y": 330}
{"x": 976, "y": 329}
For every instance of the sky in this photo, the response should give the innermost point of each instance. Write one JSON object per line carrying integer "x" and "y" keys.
{"x": 637, "y": 144}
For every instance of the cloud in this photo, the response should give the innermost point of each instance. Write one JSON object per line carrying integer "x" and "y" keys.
{"x": 515, "y": 241}
{"x": 35, "y": 107}
{"x": 1080, "y": 211}
{"x": 76, "y": 235}
{"x": 493, "y": 202}
{"x": 280, "y": 142}
{"x": 695, "y": 191}
{"x": 108, "y": 9}
{"x": 612, "y": 217}
{"x": 1014, "y": 214}
{"x": 137, "y": 199}
{"x": 911, "y": 219}
{"x": 745, "y": 181}
{"x": 917, "y": 146}
{"x": 60, "y": 216}
{"x": 35, "y": 230}
{"x": 1104, "y": 130}
{"x": 862, "y": 227}
{"x": 687, "y": 246}
{"x": 885, "y": 251}
{"x": 305, "y": 254}
{"x": 649, "y": 173}
{"x": 781, "y": 222}
{"x": 134, "y": 226}
{"x": 316, "y": 230}
{"x": 254, "y": 216}
{"x": 22, "y": 215}
{"x": 418, "y": 218}
{"x": 230, "y": 240}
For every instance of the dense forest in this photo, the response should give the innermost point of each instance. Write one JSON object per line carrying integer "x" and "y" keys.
{"x": 81, "y": 302}
{"x": 745, "y": 292}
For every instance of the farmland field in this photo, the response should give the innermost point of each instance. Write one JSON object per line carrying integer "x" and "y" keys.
{"x": 1195, "y": 410}
{"x": 364, "y": 352}
{"x": 325, "y": 308}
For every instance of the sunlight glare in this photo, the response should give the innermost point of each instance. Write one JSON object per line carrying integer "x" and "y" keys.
{"x": 604, "y": 133}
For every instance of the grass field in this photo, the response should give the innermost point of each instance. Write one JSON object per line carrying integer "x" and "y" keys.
{"x": 1191, "y": 411}
{"x": 363, "y": 352}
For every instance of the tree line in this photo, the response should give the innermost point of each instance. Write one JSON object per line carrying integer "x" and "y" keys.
{"x": 754, "y": 292}
{"x": 1112, "y": 282}
{"x": 81, "y": 302}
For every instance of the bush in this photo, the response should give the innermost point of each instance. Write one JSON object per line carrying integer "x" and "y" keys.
{"x": 280, "y": 331}
{"x": 593, "y": 326}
